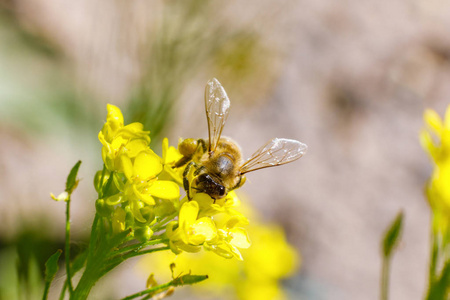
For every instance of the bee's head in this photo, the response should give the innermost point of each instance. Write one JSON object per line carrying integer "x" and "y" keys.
{"x": 211, "y": 186}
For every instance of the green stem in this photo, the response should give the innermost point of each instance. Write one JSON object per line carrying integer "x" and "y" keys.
{"x": 139, "y": 246}
{"x": 179, "y": 281}
{"x": 87, "y": 281}
{"x": 115, "y": 261}
{"x": 153, "y": 290}
{"x": 46, "y": 289}
{"x": 63, "y": 291}
{"x": 133, "y": 254}
{"x": 433, "y": 259}
{"x": 67, "y": 246}
{"x": 163, "y": 223}
{"x": 93, "y": 239}
{"x": 385, "y": 279}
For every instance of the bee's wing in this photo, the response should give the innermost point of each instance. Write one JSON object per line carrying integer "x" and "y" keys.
{"x": 276, "y": 152}
{"x": 217, "y": 106}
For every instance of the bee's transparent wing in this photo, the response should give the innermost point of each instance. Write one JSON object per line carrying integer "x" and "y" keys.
{"x": 217, "y": 106}
{"x": 276, "y": 152}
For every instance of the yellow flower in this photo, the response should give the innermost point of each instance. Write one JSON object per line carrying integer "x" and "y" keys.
{"x": 134, "y": 166}
{"x": 269, "y": 260}
{"x": 192, "y": 231}
{"x": 142, "y": 183}
{"x": 119, "y": 140}
{"x": 114, "y": 121}
{"x": 170, "y": 155}
{"x": 229, "y": 238}
{"x": 436, "y": 141}
{"x": 209, "y": 207}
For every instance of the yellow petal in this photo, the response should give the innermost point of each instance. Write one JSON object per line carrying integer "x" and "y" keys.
{"x": 236, "y": 253}
{"x": 147, "y": 165}
{"x": 165, "y": 146}
{"x": 188, "y": 214}
{"x": 136, "y": 210}
{"x": 173, "y": 155}
{"x": 64, "y": 196}
{"x": 447, "y": 118}
{"x": 114, "y": 117}
{"x": 126, "y": 166}
{"x": 136, "y": 146}
{"x": 433, "y": 120}
{"x": 427, "y": 143}
{"x": 133, "y": 131}
{"x": 221, "y": 249}
{"x": 188, "y": 248}
{"x": 114, "y": 113}
{"x": 164, "y": 189}
{"x": 205, "y": 227}
{"x": 237, "y": 220}
{"x": 146, "y": 197}
{"x": 239, "y": 238}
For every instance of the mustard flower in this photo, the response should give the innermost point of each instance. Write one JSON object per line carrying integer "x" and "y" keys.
{"x": 270, "y": 259}
{"x": 134, "y": 166}
{"x": 436, "y": 141}
{"x": 119, "y": 140}
{"x": 209, "y": 207}
{"x": 230, "y": 238}
{"x": 192, "y": 231}
{"x": 142, "y": 184}
{"x": 196, "y": 227}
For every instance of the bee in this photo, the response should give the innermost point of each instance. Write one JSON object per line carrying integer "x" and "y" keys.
{"x": 216, "y": 166}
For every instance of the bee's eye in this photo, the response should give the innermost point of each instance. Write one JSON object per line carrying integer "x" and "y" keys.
{"x": 222, "y": 190}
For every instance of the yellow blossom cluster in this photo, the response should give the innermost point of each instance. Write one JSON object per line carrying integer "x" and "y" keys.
{"x": 129, "y": 183}
{"x": 436, "y": 141}
{"x": 141, "y": 191}
{"x": 270, "y": 259}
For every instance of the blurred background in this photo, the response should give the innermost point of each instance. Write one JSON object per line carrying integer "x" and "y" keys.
{"x": 350, "y": 79}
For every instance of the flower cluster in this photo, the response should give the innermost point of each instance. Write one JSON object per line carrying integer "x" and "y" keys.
{"x": 270, "y": 259}
{"x": 139, "y": 190}
{"x": 129, "y": 185}
{"x": 224, "y": 234}
{"x": 436, "y": 141}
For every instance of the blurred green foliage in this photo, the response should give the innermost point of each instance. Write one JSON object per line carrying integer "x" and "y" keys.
{"x": 190, "y": 38}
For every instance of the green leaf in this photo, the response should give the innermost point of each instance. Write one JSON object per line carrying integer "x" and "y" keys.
{"x": 72, "y": 181}
{"x": 188, "y": 279}
{"x": 392, "y": 235}
{"x": 51, "y": 266}
{"x": 440, "y": 289}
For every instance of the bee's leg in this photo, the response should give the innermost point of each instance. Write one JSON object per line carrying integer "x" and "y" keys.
{"x": 182, "y": 161}
{"x": 201, "y": 143}
{"x": 199, "y": 170}
{"x": 186, "y": 183}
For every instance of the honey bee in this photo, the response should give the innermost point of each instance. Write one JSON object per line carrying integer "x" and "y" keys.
{"x": 216, "y": 166}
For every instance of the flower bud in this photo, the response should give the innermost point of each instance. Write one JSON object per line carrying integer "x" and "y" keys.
{"x": 143, "y": 234}
{"x": 102, "y": 208}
